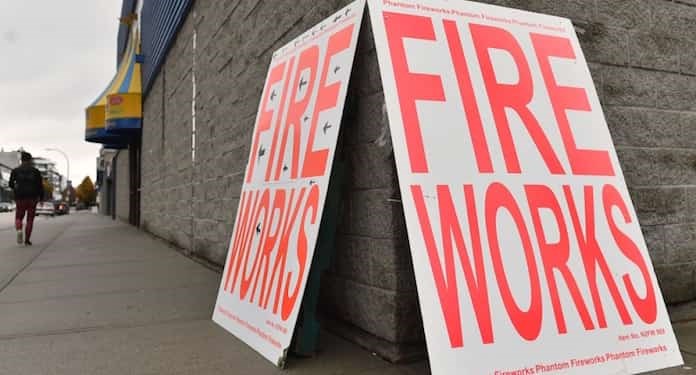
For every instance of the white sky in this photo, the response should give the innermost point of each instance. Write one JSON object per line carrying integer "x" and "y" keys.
{"x": 55, "y": 58}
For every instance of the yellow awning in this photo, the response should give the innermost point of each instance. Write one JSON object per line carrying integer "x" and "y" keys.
{"x": 119, "y": 107}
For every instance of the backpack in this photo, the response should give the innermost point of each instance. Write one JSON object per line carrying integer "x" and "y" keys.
{"x": 27, "y": 183}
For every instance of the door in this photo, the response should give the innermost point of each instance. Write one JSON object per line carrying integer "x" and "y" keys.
{"x": 135, "y": 181}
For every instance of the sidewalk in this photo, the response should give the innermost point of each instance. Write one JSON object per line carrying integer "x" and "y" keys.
{"x": 93, "y": 296}
{"x": 98, "y": 297}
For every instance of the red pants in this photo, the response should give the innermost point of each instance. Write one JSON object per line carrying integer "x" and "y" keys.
{"x": 28, "y": 207}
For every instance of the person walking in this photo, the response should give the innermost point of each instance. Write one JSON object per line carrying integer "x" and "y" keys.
{"x": 27, "y": 184}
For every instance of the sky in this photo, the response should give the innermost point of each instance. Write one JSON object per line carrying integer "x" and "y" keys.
{"x": 56, "y": 57}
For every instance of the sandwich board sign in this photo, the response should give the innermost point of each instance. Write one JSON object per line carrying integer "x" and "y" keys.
{"x": 285, "y": 184}
{"x": 527, "y": 251}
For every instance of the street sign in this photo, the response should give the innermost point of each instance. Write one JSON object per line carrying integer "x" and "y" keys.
{"x": 286, "y": 182}
{"x": 526, "y": 247}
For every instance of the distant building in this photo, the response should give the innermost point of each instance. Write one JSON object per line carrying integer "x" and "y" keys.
{"x": 8, "y": 161}
{"x": 105, "y": 181}
{"x": 48, "y": 170}
{"x": 5, "y": 191}
{"x": 11, "y": 159}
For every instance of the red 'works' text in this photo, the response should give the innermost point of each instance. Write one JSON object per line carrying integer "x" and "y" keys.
{"x": 266, "y": 221}
{"x": 554, "y": 256}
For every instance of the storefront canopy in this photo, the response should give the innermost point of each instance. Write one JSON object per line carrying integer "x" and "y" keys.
{"x": 124, "y": 110}
{"x": 117, "y": 113}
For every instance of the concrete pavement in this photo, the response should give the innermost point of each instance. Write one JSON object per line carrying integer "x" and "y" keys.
{"x": 6, "y": 221}
{"x": 98, "y": 297}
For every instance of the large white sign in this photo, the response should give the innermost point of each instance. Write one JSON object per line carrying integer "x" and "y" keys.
{"x": 286, "y": 181}
{"x": 528, "y": 255}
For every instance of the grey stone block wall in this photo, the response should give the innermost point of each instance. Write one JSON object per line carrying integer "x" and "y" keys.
{"x": 371, "y": 283}
{"x": 122, "y": 185}
{"x": 167, "y": 185}
{"x": 641, "y": 56}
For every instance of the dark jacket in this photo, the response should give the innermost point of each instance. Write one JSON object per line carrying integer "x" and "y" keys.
{"x": 27, "y": 183}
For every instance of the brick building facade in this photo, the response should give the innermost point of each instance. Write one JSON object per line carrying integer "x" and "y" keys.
{"x": 199, "y": 114}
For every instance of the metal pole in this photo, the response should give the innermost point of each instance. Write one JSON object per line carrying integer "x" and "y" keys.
{"x": 67, "y": 160}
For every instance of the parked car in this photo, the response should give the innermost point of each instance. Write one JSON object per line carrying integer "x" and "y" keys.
{"x": 6, "y": 207}
{"x": 62, "y": 208}
{"x": 46, "y": 208}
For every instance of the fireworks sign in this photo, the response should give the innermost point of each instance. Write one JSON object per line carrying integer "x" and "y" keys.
{"x": 527, "y": 251}
{"x": 285, "y": 186}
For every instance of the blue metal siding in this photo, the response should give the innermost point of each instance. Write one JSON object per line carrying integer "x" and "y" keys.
{"x": 160, "y": 22}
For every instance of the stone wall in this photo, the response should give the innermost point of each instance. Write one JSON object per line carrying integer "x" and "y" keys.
{"x": 167, "y": 185}
{"x": 641, "y": 55}
{"x": 122, "y": 181}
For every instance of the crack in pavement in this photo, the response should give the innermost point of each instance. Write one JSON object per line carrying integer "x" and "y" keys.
{"x": 194, "y": 285}
{"x": 106, "y": 327}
